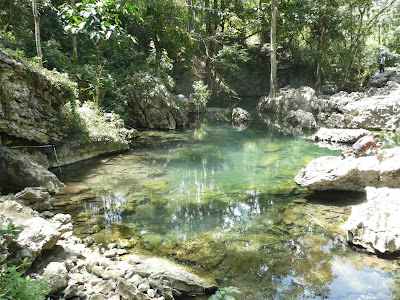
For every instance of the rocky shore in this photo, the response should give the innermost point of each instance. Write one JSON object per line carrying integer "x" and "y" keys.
{"x": 75, "y": 271}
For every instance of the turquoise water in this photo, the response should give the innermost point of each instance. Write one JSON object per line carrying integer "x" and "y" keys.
{"x": 224, "y": 201}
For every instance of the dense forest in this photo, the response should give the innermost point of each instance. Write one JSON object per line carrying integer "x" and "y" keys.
{"x": 102, "y": 44}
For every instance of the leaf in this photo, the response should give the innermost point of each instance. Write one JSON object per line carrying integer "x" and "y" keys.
{"x": 96, "y": 38}
{"x": 92, "y": 34}
{"x": 108, "y": 34}
{"x": 81, "y": 25}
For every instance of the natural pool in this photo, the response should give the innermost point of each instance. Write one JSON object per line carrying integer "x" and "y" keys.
{"x": 224, "y": 201}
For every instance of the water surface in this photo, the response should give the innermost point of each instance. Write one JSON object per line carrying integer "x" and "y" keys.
{"x": 223, "y": 200}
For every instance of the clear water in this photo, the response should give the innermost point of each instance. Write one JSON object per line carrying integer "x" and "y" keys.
{"x": 224, "y": 201}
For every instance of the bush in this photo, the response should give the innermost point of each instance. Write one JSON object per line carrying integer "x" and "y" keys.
{"x": 13, "y": 283}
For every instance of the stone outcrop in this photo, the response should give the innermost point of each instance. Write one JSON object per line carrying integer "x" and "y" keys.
{"x": 352, "y": 174}
{"x": 374, "y": 225}
{"x": 75, "y": 271}
{"x": 18, "y": 171}
{"x": 336, "y": 135}
{"x": 293, "y": 110}
{"x": 380, "y": 79}
{"x": 151, "y": 105}
{"x": 239, "y": 115}
{"x": 30, "y": 101}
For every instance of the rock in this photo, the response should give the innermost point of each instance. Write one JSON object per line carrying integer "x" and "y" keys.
{"x": 39, "y": 234}
{"x": 380, "y": 79}
{"x": 375, "y": 224}
{"x": 110, "y": 253}
{"x": 302, "y": 120}
{"x": 126, "y": 289}
{"x": 71, "y": 291}
{"x": 143, "y": 287}
{"x": 151, "y": 105}
{"x": 30, "y": 101}
{"x": 98, "y": 297}
{"x": 104, "y": 287}
{"x": 19, "y": 171}
{"x": 352, "y": 174}
{"x": 151, "y": 293}
{"x": 239, "y": 115}
{"x": 182, "y": 281}
{"x": 33, "y": 194}
{"x": 56, "y": 275}
{"x": 339, "y": 135}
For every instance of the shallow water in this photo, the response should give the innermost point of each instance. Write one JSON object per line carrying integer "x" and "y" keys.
{"x": 224, "y": 201}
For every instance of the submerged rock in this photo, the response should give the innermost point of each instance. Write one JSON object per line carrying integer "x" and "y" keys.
{"x": 375, "y": 224}
{"x": 352, "y": 174}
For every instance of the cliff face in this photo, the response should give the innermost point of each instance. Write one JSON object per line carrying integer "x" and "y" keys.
{"x": 30, "y": 101}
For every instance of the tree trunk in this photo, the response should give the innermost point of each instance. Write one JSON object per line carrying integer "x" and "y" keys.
{"x": 208, "y": 45}
{"x": 191, "y": 15}
{"x": 274, "y": 81}
{"x": 321, "y": 45}
{"x": 74, "y": 46}
{"x": 157, "y": 45}
{"x": 37, "y": 32}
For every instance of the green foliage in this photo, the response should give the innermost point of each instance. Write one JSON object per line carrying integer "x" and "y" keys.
{"x": 13, "y": 283}
{"x": 11, "y": 229}
{"x": 91, "y": 123}
{"x": 223, "y": 294}
{"x": 100, "y": 20}
{"x": 201, "y": 91}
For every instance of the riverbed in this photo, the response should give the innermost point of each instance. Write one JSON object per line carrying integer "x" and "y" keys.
{"x": 222, "y": 200}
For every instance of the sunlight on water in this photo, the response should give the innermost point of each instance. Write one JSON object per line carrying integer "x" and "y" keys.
{"x": 225, "y": 200}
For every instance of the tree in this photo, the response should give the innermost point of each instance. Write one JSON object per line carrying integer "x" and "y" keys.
{"x": 273, "y": 81}
{"x": 37, "y": 32}
{"x": 100, "y": 21}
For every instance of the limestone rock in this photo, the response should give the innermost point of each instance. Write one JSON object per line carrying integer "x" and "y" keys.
{"x": 151, "y": 105}
{"x": 239, "y": 115}
{"x": 40, "y": 234}
{"x": 18, "y": 171}
{"x": 375, "y": 224}
{"x": 337, "y": 135}
{"x": 352, "y": 174}
{"x": 302, "y": 120}
{"x": 56, "y": 275}
{"x": 380, "y": 79}
{"x": 32, "y": 194}
{"x": 30, "y": 101}
{"x": 182, "y": 281}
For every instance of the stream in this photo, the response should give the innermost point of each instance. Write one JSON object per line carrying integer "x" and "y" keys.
{"x": 223, "y": 201}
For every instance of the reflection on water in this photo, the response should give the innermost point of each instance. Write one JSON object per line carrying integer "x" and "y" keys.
{"x": 225, "y": 201}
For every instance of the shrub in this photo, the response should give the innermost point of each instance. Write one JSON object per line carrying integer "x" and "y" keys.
{"x": 13, "y": 283}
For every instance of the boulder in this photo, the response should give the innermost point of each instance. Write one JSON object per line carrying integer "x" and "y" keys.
{"x": 239, "y": 115}
{"x": 56, "y": 275}
{"x": 337, "y": 135}
{"x": 303, "y": 98}
{"x": 375, "y": 224}
{"x": 18, "y": 171}
{"x": 380, "y": 79}
{"x": 30, "y": 101}
{"x": 301, "y": 120}
{"x": 33, "y": 194}
{"x": 182, "y": 281}
{"x": 151, "y": 105}
{"x": 352, "y": 174}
